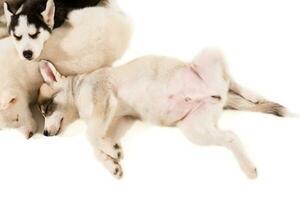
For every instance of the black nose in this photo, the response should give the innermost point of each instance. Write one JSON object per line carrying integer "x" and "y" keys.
{"x": 46, "y": 133}
{"x": 28, "y": 54}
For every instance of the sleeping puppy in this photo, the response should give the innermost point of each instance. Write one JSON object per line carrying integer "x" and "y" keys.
{"x": 80, "y": 46}
{"x": 33, "y": 22}
{"x": 160, "y": 90}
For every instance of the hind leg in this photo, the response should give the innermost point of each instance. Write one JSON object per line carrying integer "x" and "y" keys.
{"x": 245, "y": 93}
{"x": 200, "y": 128}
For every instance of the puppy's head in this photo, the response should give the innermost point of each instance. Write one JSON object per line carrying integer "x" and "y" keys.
{"x": 55, "y": 100}
{"x": 15, "y": 111}
{"x": 30, "y": 27}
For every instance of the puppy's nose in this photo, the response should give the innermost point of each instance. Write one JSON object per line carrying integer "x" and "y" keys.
{"x": 28, "y": 54}
{"x": 46, "y": 133}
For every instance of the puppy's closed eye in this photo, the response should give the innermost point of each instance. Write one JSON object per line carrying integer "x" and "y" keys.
{"x": 47, "y": 107}
{"x": 17, "y": 37}
{"x": 34, "y": 36}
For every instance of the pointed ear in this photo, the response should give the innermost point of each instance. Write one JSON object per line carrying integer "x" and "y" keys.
{"x": 49, "y": 13}
{"x": 7, "y": 100}
{"x": 8, "y": 13}
{"x": 49, "y": 72}
{"x": 20, "y": 9}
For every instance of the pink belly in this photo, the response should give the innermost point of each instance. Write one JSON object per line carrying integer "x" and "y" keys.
{"x": 192, "y": 92}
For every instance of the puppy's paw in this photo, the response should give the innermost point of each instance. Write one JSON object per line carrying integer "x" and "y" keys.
{"x": 117, "y": 171}
{"x": 113, "y": 167}
{"x": 29, "y": 135}
{"x": 118, "y": 152}
{"x": 250, "y": 171}
{"x": 112, "y": 150}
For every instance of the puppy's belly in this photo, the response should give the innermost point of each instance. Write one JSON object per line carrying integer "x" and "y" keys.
{"x": 177, "y": 108}
{"x": 168, "y": 102}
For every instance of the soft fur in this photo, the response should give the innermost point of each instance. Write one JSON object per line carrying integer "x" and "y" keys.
{"x": 161, "y": 90}
{"x": 33, "y": 22}
{"x": 93, "y": 38}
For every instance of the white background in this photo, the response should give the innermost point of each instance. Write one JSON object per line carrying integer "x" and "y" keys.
{"x": 261, "y": 39}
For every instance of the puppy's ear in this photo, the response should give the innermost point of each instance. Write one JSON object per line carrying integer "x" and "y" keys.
{"x": 7, "y": 100}
{"x": 49, "y": 13}
{"x": 7, "y": 12}
{"x": 49, "y": 72}
{"x": 20, "y": 9}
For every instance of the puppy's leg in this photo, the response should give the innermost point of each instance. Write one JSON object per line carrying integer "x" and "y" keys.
{"x": 28, "y": 123}
{"x": 116, "y": 131}
{"x": 110, "y": 164}
{"x": 200, "y": 128}
{"x": 120, "y": 126}
{"x": 99, "y": 124}
{"x": 245, "y": 93}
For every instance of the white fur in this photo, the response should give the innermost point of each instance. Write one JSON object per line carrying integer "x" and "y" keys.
{"x": 81, "y": 45}
{"x": 26, "y": 43}
{"x": 161, "y": 90}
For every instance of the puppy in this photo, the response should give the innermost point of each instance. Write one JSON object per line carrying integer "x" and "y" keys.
{"x": 33, "y": 22}
{"x": 80, "y": 46}
{"x": 160, "y": 90}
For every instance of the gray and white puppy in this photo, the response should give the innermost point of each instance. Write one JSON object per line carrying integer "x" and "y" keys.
{"x": 160, "y": 90}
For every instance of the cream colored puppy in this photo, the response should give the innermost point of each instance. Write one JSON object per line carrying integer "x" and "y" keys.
{"x": 92, "y": 38}
{"x": 160, "y": 90}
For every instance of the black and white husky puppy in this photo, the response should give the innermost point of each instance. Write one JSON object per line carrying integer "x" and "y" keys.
{"x": 32, "y": 22}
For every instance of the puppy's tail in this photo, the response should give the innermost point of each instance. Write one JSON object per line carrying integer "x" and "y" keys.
{"x": 242, "y": 99}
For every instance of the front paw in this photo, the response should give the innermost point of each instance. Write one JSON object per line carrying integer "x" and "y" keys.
{"x": 117, "y": 170}
{"x": 118, "y": 152}
{"x": 114, "y": 151}
{"x": 29, "y": 131}
{"x": 29, "y": 135}
{"x": 113, "y": 166}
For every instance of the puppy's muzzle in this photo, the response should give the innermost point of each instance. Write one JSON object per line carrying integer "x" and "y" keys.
{"x": 46, "y": 133}
{"x": 28, "y": 54}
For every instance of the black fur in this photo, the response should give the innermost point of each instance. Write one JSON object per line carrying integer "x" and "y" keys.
{"x": 33, "y": 9}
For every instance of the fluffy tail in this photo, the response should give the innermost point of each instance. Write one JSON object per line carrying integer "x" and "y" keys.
{"x": 242, "y": 99}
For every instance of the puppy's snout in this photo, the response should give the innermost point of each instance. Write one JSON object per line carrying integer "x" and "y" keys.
{"x": 28, "y": 54}
{"x": 46, "y": 133}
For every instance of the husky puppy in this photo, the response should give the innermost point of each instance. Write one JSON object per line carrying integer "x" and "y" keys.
{"x": 31, "y": 25}
{"x": 160, "y": 90}
{"x": 80, "y": 46}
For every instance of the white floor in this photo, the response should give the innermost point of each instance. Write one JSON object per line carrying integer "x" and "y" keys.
{"x": 261, "y": 40}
